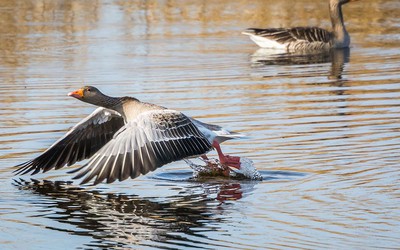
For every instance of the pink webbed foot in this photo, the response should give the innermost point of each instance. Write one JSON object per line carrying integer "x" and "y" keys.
{"x": 231, "y": 161}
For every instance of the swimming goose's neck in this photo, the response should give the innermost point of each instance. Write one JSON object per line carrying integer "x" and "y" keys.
{"x": 341, "y": 37}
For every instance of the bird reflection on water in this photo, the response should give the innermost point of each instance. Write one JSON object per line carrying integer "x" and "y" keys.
{"x": 122, "y": 220}
{"x": 337, "y": 57}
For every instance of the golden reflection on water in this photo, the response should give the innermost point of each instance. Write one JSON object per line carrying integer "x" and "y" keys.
{"x": 30, "y": 20}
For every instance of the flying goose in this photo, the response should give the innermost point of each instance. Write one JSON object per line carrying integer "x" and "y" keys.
{"x": 303, "y": 39}
{"x": 125, "y": 137}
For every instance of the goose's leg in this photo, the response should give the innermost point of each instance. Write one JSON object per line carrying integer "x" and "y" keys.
{"x": 210, "y": 163}
{"x": 232, "y": 161}
{"x": 204, "y": 157}
{"x": 215, "y": 169}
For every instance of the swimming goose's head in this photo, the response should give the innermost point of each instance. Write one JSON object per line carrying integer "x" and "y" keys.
{"x": 340, "y": 2}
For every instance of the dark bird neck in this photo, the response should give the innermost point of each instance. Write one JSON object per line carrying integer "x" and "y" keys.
{"x": 114, "y": 103}
{"x": 341, "y": 37}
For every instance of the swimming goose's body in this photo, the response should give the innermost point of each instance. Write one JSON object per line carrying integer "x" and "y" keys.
{"x": 303, "y": 39}
{"x": 125, "y": 137}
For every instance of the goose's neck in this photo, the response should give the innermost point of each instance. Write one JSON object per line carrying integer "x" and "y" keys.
{"x": 341, "y": 37}
{"x": 127, "y": 107}
{"x": 108, "y": 102}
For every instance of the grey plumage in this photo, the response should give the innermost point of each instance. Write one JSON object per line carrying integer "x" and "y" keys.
{"x": 297, "y": 38}
{"x": 125, "y": 138}
{"x": 305, "y": 39}
{"x": 79, "y": 143}
{"x": 154, "y": 139}
{"x": 289, "y": 35}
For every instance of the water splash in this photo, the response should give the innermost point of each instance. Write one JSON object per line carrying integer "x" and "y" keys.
{"x": 247, "y": 170}
{"x": 214, "y": 167}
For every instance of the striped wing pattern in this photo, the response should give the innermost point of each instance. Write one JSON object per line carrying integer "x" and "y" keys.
{"x": 79, "y": 143}
{"x": 153, "y": 139}
{"x": 290, "y": 35}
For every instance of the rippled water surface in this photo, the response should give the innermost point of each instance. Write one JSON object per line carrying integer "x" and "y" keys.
{"x": 324, "y": 130}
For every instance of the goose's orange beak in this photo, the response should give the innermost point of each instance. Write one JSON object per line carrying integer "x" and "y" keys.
{"x": 77, "y": 94}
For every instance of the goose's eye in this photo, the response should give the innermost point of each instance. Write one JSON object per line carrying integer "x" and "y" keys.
{"x": 88, "y": 89}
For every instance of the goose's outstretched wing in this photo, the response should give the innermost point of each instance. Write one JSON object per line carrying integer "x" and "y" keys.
{"x": 80, "y": 142}
{"x": 153, "y": 139}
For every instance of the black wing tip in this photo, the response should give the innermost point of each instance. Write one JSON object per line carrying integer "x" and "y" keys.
{"x": 78, "y": 176}
{"x": 81, "y": 173}
{"x": 30, "y": 166}
{"x": 86, "y": 183}
{"x": 25, "y": 168}
{"x": 73, "y": 171}
{"x": 95, "y": 182}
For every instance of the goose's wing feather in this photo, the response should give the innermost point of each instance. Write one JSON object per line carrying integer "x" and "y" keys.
{"x": 79, "y": 143}
{"x": 297, "y": 34}
{"x": 152, "y": 140}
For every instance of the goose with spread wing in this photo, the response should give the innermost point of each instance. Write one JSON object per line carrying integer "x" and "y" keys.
{"x": 303, "y": 39}
{"x": 125, "y": 138}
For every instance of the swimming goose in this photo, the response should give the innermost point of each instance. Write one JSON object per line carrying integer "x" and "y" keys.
{"x": 303, "y": 39}
{"x": 125, "y": 137}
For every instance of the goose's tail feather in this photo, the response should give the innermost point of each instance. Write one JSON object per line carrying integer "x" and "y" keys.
{"x": 224, "y": 135}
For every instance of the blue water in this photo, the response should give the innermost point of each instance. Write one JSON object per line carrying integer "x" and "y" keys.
{"x": 322, "y": 130}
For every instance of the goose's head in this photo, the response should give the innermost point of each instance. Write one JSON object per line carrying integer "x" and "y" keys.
{"x": 91, "y": 95}
{"x": 340, "y": 2}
